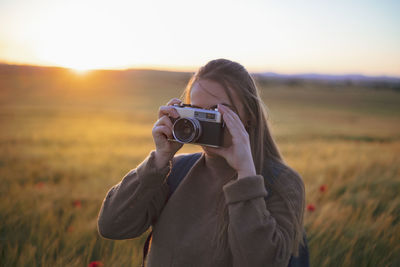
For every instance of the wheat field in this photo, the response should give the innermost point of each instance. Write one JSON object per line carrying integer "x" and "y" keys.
{"x": 66, "y": 138}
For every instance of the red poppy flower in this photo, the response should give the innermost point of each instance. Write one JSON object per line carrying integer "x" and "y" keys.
{"x": 95, "y": 264}
{"x": 310, "y": 207}
{"x": 322, "y": 188}
{"x": 39, "y": 185}
{"x": 77, "y": 203}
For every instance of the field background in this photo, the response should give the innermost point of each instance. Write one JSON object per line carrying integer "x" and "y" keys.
{"x": 66, "y": 138}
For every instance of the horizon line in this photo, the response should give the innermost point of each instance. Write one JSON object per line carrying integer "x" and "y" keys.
{"x": 182, "y": 70}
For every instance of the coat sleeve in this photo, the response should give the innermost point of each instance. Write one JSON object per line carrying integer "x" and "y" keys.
{"x": 133, "y": 204}
{"x": 260, "y": 232}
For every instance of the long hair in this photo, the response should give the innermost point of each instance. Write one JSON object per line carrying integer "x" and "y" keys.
{"x": 232, "y": 76}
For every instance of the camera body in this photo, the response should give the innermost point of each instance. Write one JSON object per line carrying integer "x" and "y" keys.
{"x": 198, "y": 126}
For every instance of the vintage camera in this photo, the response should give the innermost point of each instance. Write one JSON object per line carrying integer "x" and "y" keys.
{"x": 198, "y": 126}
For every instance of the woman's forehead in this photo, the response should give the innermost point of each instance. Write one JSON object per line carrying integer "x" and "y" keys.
{"x": 207, "y": 94}
{"x": 208, "y": 91}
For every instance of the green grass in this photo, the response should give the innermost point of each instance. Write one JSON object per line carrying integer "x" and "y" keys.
{"x": 65, "y": 140}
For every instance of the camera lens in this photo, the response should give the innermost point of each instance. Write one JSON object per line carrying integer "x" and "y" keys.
{"x": 186, "y": 130}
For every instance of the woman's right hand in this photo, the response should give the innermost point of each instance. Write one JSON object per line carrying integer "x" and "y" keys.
{"x": 162, "y": 131}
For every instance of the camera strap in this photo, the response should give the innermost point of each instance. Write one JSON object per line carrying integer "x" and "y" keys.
{"x": 175, "y": 177}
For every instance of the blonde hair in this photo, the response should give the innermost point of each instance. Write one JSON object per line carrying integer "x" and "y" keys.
{"x": 232, "y": 76}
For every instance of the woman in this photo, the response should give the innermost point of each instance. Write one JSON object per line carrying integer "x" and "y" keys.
{"x": 239, "y": 205}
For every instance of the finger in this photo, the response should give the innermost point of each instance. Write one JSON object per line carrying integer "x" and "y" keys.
{"x": 236, "y": 129}
{"x": 230, "y": 125}
{"x": 174, "y": 101}
{"x": 235, "y": 117}
{"x": 169, "y": 111}
{"x": 226, "y": 109}
{"x": 164, "y": 120}
{"x": 162, "y": 130}
{"x": 235, "y": 125}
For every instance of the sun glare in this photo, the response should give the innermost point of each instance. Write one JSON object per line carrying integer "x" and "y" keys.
{"x": 79, "y": 68}
{"x": 80, "y": 71}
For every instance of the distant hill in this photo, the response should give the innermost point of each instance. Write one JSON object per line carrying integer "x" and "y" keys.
{"x": 337, "y": 80}
{"x": 45, "y": 86}
{"x": 331, "y": 77}
{"x": 264, "y": 78}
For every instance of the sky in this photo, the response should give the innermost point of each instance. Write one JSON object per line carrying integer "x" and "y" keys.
{"x": 310, "y": 36}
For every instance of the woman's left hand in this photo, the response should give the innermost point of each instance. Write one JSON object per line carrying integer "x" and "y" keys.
{"x": 238, "y": 155}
